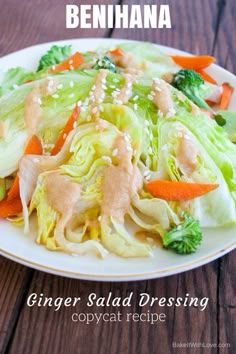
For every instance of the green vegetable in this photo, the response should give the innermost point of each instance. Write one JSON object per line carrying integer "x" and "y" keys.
{"x": 185, "y": 158}
{"x": 229, "y": 123}
{"x": 2, "y": 189}
{"x": 54, "y": 55}
{"x": 105, "y": 63}
{"x": 191, "y": 84}
{"x": 185, "y": 237}
{"x": 12, "y": 78}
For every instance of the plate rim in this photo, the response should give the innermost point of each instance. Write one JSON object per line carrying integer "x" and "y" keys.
{"x": 116, "y": 277}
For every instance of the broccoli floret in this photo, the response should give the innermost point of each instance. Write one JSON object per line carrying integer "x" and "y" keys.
{"x": 105, "y": 63}
{"x": 190, "y": 83}
{"x": 185, "y": 237}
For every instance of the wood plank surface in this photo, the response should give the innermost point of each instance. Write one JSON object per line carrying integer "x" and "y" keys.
{"x": 202, "y": 26}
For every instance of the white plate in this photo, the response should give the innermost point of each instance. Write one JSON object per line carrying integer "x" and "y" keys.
{"x": 23, "y": 249}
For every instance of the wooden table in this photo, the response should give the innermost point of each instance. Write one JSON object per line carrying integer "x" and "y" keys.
{"x": 199, "y": 26}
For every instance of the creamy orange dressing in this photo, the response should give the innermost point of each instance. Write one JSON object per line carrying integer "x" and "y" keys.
{"x": 99, "y": 90}
{"x": 168, "y": 77}
{"x": 49, "y": 86}
{"x": 33, "y": 110}
{"x": 120, "y": 182}
{"x": 97, "y": 93}
{"x": 162, "y": 96}
{"x": 124, "y": 61}
{"x": 187, "y": 153}
{"x": 62, "y": 193}
{"x": 126, "y": 91}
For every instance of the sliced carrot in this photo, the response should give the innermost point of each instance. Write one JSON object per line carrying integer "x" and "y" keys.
{"x": 196, "y": 62}
{"x": 71, "y": 63}
{"x": 206, "y": 77}
{"x": 66, "y": 130}
{"x": 10, "y": 207}
{"x": 33, "y": 147}
{"x": 177, "y": 191}
{"x": 209, "y": 113}
{"x": 117, "y": 51}
{"x": 226, "y": 95}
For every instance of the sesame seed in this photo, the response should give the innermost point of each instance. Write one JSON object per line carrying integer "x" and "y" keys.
{"x": 152, "y": 93}
{"x": 107, "y": 158}
{"x": 129, "y": 148}
{"x": 115, "y": 152}
{"x": 114, "y": 94}
{"x": 118, "y": 102}
{"x": 187, "y": 137}
{"x": 150, "y": 150}
{"x": 36, "y": 160}
{"x": 53, "y": 67}
{"x": 50, "y": 83}
{"x": 55, "y": 96}
{"x": 101, "y": 108}
{"x": 115, "y": 81}
{"x": 79, "y": 103}
{"x": 93, "y": 87}
{"x": 146, "y": 173}
{"x": 15, "y": 86}
{"x": 148, "y": 177}
{"x": 104, "y": 80}
{"x": 104, "y": 87}
{"x": 112, "y": 86}
{"x": 60, "y": 86}
{"x": 72, "y": 84}
{"x": 64, "y": 136}
{"x": 157, "y": 80}
{"x": 99, "y": 218}
{"x": 146, "y": 122}
{"x": 147, "y": 130}
{"x": 100, "y": 100}
{"x": 95, "y": 109}
{"x": 157, "y": 88}
{"x": 75, "y": 125}
{"x": 88, "y": 118}
{"x": 129, "y": 84}
{"x": 150, "y": 97}
{"x": 135, "y": 98}
{"x": 71, "y": 61}
{"x": 71, "y": 67}
{"x": 135, "y": 106}
{"x": 159, "y": 113}
{"x": 39, "y": 100}
{"x": 71, "y": 95}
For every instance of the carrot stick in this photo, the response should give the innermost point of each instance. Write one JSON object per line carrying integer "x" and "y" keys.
{"x": 206, "y": 77}
{"x": 117, "y": 51}
{"x": 33, "y": 147}
{"x": 66, "y": 130}
{"x": 176, "y": 191}
{"x": 193, "y": 62}
{"x": 226, "y": 95}
{"x": 71, "y": 63}
{"x": 10, "y": 207}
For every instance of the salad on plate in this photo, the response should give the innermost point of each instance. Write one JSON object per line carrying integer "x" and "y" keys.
{"x": 118, "y": 150}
